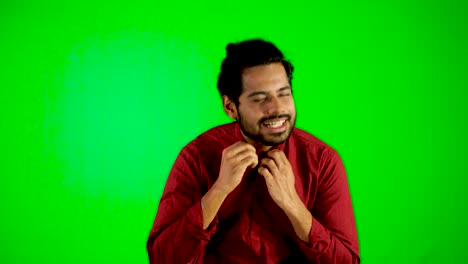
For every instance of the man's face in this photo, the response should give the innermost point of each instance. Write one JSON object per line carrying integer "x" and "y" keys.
{"x": 266, "y": 110}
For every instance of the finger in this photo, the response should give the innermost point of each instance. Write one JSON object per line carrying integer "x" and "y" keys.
{"x": 244, "y": 145}
{"x": 270, "y": 165}
{"x": 242, "y": 155}
{"x": 254, "y": 162}
{"x": 275, "y": 156}
{"x": 265, "y": 173}
{"x": 236, "y": 148}
{"x": 248, "y": 161}
{"x": 283, "y": 158}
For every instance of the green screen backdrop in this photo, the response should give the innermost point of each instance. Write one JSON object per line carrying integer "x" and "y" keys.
{"x": 98, "y": 98}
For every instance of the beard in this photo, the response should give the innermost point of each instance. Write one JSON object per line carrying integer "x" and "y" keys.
{"x": 253, "y": 131}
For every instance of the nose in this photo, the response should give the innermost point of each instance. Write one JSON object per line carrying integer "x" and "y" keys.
{"x": 273, "y": 106}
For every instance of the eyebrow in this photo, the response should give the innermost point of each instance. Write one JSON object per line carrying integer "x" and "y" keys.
{"x": 264, "y": 93}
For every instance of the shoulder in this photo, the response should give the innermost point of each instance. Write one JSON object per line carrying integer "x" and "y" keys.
{"x": 217, "y": 134}
{"x": 312, "y": 146}
{"x": 321, "y": 158}
{"x": 307, "y": 140}
{"x": 218, "y": 137}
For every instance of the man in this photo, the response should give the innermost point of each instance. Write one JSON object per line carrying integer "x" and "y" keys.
{"x": 257, "y": 190}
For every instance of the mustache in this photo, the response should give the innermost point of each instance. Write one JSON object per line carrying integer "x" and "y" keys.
{"x": 274, "y": 117}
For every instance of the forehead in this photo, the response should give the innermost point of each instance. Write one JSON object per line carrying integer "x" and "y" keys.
{"x": 268, "y": 77}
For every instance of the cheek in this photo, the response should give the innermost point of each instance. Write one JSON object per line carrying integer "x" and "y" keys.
{"x": 291, "y": 107}
{"x": 251, "y": 113}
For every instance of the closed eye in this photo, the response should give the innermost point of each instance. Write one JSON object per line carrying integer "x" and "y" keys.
{"x": 258, "y": 99}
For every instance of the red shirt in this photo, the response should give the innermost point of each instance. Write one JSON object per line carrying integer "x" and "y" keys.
{"x": 250, "y": 227}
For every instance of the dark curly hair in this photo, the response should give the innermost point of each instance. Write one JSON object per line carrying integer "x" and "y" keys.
{"x": 242, "y": 55}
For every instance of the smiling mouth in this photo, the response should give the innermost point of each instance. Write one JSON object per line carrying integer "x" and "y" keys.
{"x": 274, "y": 123}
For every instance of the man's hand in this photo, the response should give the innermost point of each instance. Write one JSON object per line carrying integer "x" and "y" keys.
{"x": 235, "y": 160}
{"x": 279, "y": 178}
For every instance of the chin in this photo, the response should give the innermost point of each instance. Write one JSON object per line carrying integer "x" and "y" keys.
{"x": 275, "y": 140}
{"x": 279, "y": 137}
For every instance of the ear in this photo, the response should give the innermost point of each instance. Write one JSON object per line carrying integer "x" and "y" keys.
{"x": 229, "y": 107}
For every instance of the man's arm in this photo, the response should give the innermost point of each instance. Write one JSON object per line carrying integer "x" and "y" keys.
{"x": 328, "y": 234}
{"x": 210, "y": 204}
{"x": 186, "y": 216}
{"x": 333, "y": 236}
{"x": 235, "y": 160}
{"x": 178, "y": 235}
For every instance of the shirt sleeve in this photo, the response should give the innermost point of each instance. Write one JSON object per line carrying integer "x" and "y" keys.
{"x": 333, "y": 236}
{"x": 177, "y": 235}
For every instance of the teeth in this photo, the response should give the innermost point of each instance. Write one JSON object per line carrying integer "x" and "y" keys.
{"x": 275, "y": 124}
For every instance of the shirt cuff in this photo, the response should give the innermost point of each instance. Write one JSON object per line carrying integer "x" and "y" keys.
{"x": 319, "y": 239}
{"x": 194, "y": 217}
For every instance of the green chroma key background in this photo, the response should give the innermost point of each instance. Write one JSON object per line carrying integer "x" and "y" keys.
{"x": 98, "y": 98}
